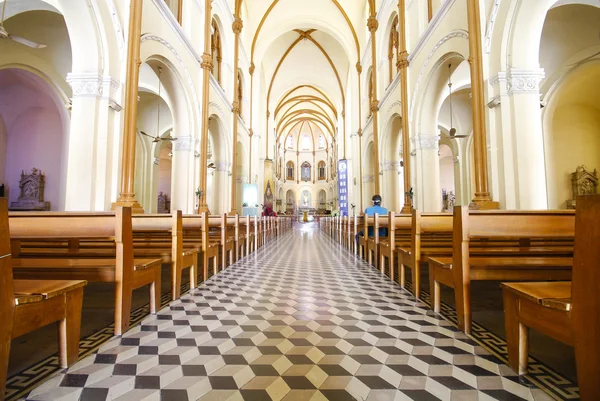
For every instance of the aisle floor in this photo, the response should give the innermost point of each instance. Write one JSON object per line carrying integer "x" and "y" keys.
{"x": 301, "y": 319}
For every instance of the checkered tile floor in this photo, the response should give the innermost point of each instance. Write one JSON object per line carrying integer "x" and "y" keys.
{"x": 301, "y": 319}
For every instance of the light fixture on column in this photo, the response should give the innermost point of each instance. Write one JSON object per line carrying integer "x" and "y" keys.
{"x": 452, "y": 129}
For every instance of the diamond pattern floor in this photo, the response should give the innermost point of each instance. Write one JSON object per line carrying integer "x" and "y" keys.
{"x": 301, "y": 319}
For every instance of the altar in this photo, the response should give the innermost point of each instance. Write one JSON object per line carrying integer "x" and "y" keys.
{"x": 31, "y": 196}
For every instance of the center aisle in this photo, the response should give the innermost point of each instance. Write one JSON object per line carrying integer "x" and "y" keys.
{"x": 301, "y": 319}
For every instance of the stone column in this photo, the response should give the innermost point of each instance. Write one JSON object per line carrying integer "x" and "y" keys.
{"x": 127, "y": 195}
{"x": 314, "y": 168}
{"x": 373, "y": 24}
{"x": 519, "y": 122}
{"x": 237, "y": 29}
{"x": 403, "y": 66}
{"x": 430, "y": 195}
{"x": 207, "y": 66}
{"x": 89, "y": 169}
{"x": 181, "y": 193}
{"x": 482, "y": 200}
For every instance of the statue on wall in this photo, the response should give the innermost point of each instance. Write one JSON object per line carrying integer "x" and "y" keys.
{"x": 583, "y": 183}
{"x": 31, "y": 196}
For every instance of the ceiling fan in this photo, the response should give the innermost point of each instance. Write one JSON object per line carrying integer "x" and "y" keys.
{"x": 5, "y": 35}
{"x": 158, "y": 138}
{"x": 452, "y": 133}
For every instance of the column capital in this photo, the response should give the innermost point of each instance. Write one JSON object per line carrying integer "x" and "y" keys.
{"x": 207, "y": 62}
{"x": 184, "y": 143}
{"x": 372, "y": 23}
{"x": 235, "y": 107}
{"x": 237, "y": 25}
{"x": 426, "y": 141}
{"x": 374, "y": 106}
{"x": 402, "y": 60}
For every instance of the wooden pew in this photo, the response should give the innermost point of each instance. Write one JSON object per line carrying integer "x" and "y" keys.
{"x": 566, "y": 311}
{"x": 127, "y": 273}
{"x": 154, "y": 236}
{"x": 373, "y": 242}
{"x": 362, "y": 239}
{"x": 195, "y": 228}
{"x": 500, "y": 263}
{"x": 399, "y": 230}
{"x": 26, "y": 305}
{"x": 431, "y": 234}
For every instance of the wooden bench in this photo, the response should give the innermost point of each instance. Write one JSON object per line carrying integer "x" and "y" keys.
{"x": 26, "y": 305}
{"x": 431, "y": 234}
{"x": 566, "y": 311}
{"x": 372, "y": 242}
{"x": 195, "y": 228}
{"x": 399, "y": 230}
{"x": 127, "y": 273}
{"x": 154, "y": 236}
{"x": 507, "y": 262}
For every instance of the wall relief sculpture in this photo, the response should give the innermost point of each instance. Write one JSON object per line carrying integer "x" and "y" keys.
{"x": 164, "y": 204}
{"x": 583, "y": 183}
{"x": 31, "y": 196}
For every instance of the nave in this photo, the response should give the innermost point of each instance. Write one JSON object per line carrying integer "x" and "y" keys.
{"x": 299, "y": 319}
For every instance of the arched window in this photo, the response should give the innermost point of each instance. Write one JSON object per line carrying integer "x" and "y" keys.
{"x": 240, "y": 94}
{"x": 290, "y": 142}
{"x": 305, "y": 142}
{"x": 393, "y": 49}
{"x": 322, "y": 170}
{"x": 305, "y": 171}
{"x": 216, "y": 50}
{"x": 321, "y": 141}
{"x": 290, "y": 170}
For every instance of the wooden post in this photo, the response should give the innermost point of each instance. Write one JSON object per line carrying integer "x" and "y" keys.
{"x": 127, "y": 195}
{"x": 482, "y": 199}
{"x": 180, "y": 11}
{"x": 403, "y": 66}
{"x": 360, "y": 166}
{"x": 237, "y": 29}
{"x": 207, "y": 65}
{"x": 373, "y": 25}
{"x": 429, "y": 10}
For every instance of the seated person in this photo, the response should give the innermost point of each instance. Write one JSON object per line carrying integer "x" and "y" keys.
{"x": 371, "y": 211}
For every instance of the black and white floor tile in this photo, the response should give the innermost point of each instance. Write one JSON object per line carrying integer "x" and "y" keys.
{"x": 301, "y": 319}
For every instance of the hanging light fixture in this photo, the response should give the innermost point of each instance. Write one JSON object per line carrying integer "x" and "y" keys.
{"x": 452, "y": 129}
{"x": 157, "y": 138}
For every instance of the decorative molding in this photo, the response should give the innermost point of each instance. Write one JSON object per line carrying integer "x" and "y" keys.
{"x": 454, "y": 34}
{"x": 117, "y": 24}
{"x": 456, "y": 159}
{"x": 86, "y": 84}
{"x": 188, "y": 76}
{"x": 433, "y": 24}
{"x": 222, "y": 166}
{"x": 524, "y": 81}
{"x": 515, "y": 81}
{"x": 368, "y": 178}
{"x": 426, "y": 142}
{"x": 184, "y": 143}
{"x": 390, "y": 166}
{"x": 490, "y": 26}
{"x": 156, "y": 161}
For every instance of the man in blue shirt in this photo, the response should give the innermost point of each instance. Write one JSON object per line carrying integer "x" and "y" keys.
{"x": 371, "y": 211}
